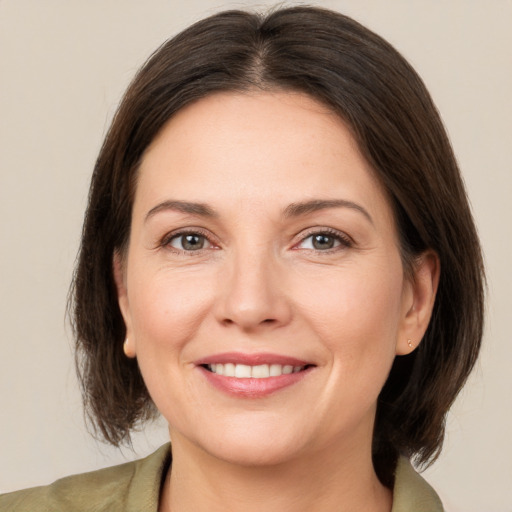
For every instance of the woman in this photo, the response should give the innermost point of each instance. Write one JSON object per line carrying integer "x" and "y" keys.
{"x": 279, "y": 257}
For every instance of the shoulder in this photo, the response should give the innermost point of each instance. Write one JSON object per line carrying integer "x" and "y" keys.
{"x": 131, "y": 486}
{"x": 412, "y": 492}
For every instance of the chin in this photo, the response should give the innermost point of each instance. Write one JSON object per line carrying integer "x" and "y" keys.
{"x": 250, "y": 446}
{"x": 254, "y": 453}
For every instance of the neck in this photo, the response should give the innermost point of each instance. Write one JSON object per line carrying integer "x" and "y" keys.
{"x": 329, "y": 481}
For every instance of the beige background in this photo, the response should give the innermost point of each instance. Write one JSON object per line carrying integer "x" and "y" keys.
{"x": 63, "y": 67}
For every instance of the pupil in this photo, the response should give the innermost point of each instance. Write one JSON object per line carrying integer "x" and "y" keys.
{"x": 193, "y": 242}
{"x": 323, "y": 242}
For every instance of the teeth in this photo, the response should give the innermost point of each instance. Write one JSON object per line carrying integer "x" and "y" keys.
{"x": 262, "y": 371}
{"x": 242, "y": 371}
{"x": 229, "y": 369}
{"x": 276, "y": 370}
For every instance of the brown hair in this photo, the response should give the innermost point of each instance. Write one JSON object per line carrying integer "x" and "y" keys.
{"x": 368, "y": 84}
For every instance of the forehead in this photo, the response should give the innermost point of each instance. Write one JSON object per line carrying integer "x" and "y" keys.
{"x": 258, "y": 147}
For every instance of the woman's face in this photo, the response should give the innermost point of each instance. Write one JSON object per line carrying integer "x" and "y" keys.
{"x": 261, "y": 244}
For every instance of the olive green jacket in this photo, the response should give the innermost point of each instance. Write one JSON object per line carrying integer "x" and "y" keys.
{"x": 135, "y": 487}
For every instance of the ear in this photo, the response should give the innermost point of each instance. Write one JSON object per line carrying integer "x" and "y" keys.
{"x": 418, "y": 302}
{"x": 118, "y": 268}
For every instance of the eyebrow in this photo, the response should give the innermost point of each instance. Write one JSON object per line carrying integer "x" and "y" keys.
{"x": 314, "y": 205}
{"x": 199, "y": 209}
{"x": 292, "y": 210}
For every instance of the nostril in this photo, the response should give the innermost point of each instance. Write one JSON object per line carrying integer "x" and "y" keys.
{"x": 229, "y": 321}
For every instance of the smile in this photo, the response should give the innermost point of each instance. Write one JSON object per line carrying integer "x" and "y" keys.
{"x": 261, "y": 371}
{"x": 252, "y": 375}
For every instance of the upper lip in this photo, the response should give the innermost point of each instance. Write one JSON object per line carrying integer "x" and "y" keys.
{"x": 251, "y": 359}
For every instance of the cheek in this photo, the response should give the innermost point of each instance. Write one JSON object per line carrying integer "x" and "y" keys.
{"x": 356, "y": 312}
{"x": 167, "y": 310}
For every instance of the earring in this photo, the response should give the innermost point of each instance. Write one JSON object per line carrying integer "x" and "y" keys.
{"x": 409, "y": 342}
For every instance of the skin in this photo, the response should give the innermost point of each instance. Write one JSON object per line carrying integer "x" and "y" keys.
{"x": 259, "y": 284}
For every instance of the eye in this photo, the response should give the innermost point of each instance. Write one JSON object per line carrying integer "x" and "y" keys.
{"x": 324, "y": 241}
{"x": 189, "y": 242}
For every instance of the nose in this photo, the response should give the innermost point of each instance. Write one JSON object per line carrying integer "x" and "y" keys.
{"x": 252, "y": 293}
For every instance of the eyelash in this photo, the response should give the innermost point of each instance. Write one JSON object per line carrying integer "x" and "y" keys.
{"x": 166, "y": 241}
{"x": 343, "y": 240}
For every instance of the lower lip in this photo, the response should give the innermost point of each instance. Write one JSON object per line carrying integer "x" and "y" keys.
{"x": 252, "y": 388}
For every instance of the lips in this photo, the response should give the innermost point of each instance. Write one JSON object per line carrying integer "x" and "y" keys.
{"x": 252, "y": 375}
